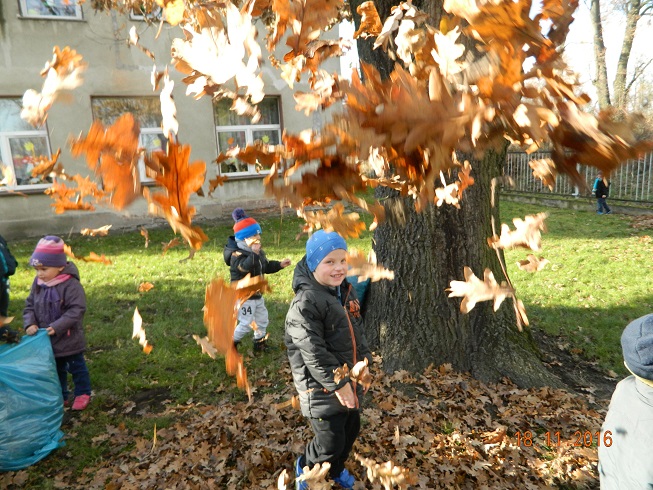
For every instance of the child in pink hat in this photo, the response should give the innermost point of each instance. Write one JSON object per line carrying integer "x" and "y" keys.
{"x": 57, "y": 303}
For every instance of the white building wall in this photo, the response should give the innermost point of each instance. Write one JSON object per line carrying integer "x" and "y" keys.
{"x": 115, "y": 69}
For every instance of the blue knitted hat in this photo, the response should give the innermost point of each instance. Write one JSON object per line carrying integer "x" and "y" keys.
{"x": 637, "y": 347}
{"x": 321, "y": 244}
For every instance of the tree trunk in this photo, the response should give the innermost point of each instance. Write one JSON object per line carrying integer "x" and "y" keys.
{"x": 601, "y": 81}
{"x": 620, "y": 86}
{"x": 410, "y": 320}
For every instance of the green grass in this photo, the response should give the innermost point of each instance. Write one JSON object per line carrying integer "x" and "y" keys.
{"x": 598, "y": 280}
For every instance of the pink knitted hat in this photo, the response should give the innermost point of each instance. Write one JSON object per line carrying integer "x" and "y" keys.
{"x": 49, "y": 253}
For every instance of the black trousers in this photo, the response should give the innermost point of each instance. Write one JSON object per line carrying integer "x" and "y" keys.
{"x": 333, "y": 440}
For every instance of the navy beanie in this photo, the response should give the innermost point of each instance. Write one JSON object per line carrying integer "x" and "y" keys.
{"x": 637, "y": 346}
{"x": 321, "y": 244}
{"x": 238, "y": 214}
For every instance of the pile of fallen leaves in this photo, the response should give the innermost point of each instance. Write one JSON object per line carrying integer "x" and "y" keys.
{"x": 444, "y": 428}
{"x": 643, "y": 221}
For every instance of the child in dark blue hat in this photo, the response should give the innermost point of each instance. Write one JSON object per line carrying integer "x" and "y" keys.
{"x": 324, "y": 331}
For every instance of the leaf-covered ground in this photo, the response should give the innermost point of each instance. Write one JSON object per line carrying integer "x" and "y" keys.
{"x": 446, "y": 429}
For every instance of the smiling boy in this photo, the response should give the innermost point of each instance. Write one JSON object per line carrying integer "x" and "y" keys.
{"x": 324, "y": 331}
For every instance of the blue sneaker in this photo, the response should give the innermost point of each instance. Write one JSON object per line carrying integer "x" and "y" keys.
{"x": 299, "y": 471}
{"x": 345, "y": 480}
{"x": 599, "y": 212}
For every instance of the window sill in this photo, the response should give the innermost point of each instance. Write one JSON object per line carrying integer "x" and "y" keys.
{"x": 19, "y": 191}
{"x": 251, "y": 176}
{"x": 50, "y": 18}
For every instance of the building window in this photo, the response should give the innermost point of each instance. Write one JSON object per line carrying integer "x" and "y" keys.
{"x": 51, "y": 9}
{"x": 146, "y": 111}
{"x": 234, "y": 130}
{"x": 146, "y": 11}
{"x": 21, "y": 146}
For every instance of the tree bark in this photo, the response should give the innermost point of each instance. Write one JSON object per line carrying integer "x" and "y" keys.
{"x": 410, "y": 320}
{"x": 620, "y": 86}
{"x": 601, "y": 81}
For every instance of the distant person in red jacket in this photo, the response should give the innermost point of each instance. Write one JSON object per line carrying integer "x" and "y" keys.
{"x": 57, "y": 303}
{"x": 601, "y": 190}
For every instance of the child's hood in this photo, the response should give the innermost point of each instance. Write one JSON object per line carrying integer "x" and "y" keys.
{"x": 71, "y": 268}
{"x": 229, "y": 249}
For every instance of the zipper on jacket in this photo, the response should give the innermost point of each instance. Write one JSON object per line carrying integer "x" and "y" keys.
{"x": 353, "y": 341}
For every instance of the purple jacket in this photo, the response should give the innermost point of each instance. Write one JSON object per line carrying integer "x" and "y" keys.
{"x": 61, "y": 307}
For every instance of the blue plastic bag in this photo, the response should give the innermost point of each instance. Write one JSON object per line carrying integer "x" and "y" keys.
{"x": 31, "y": 403}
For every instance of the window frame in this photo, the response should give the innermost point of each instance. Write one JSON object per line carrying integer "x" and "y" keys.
{"x": 152, "y": 17}
{"x": 249, "y": 130}
{"x": 7, "y": 158}
{"x": 79, "y": 13}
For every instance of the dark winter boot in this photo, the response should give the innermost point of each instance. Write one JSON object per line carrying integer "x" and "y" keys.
{"x": 8, "y": 335}
{"x": 261, "y": 345}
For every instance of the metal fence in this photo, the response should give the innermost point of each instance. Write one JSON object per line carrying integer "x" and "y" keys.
{"x": 630, "y": 182}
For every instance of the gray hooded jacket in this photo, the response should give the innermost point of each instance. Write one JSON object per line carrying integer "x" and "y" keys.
{"x": 625, "y": 454}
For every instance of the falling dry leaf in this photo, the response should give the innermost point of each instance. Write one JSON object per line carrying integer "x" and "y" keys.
{"x": 346, "y": 225}
{"x": 526, "y": 233}
{"x": 207, "y": 347}
{"x": 496, "y": 436}
{"x": 144, "y": 287}
{"x": 317, "y": 477}
{"x": 387, "y": 474}
{"x": 532, "y": 263}
{"x": 62, "y": 73}
{"x": 473, "y": 290}
{"x": 145, "y": 235}
{"x": 360, "y": 374}
{"x": 366, "y": 268}
{"x": 178, "y": 179}
{"x": 101, "y": 231}
{"x": 175, "y": 242}
{"x": 93, "y": 257}
{"x": 370, "y": 23}
{"x": 139, "y": 332}
{"x": 112, "y": 153}
{"x": 220, "y": 318}
{"x": 170, "y": 124}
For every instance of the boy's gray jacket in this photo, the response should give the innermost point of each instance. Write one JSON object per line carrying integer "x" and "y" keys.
{"x": 322, "y": 334}
{"x": 625, "y": 455}
{"x": 69, "y": 338}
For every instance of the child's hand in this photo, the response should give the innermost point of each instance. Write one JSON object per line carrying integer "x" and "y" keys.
{"x": 346, "y": 396}
{"x": 285, "y": 263}
{"x": 31, "y": 330}
{"x": 50, "y": 331}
